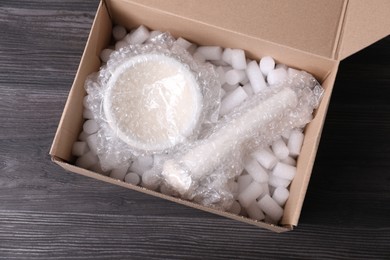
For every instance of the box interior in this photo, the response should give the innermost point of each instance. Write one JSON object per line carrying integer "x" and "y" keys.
{"x": 205, "y": 32}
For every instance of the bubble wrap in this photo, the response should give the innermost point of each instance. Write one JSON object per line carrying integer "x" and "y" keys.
{"x": 150, "y": 98}
{"x": 202, "y": 169}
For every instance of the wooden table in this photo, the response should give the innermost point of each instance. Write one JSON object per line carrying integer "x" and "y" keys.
{"x": 47, "y": 213}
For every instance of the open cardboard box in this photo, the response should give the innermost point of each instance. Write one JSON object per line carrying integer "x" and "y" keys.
{"x": 309, "y": 35}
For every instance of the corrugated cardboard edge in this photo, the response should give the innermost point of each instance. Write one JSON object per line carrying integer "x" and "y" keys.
{"x": 364, "y": 23}
{"x": 87, "y": 173}
{"x": 65, "y": 137}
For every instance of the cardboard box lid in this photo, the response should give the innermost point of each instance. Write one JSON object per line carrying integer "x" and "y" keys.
{"x": 333, "y": 29}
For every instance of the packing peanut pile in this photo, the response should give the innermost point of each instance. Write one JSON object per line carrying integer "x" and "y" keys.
{"x": 203, "y": 123}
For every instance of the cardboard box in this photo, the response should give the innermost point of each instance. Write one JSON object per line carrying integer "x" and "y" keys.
{"x": 305, "y": 34}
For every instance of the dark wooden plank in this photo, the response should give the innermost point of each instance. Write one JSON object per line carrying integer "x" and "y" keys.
{"x": 102, "y": 236}
{"x": 48, "y": 213}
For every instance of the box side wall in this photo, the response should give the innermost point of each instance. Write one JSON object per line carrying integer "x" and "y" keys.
{"x": 307, "y": 25}
{"x": 130, "y": 15}
{"x": 133, "y": 15}
{"x": 71, "y": 121}
{"x": 87, "y": 173}
{"x": 307, "y": 156}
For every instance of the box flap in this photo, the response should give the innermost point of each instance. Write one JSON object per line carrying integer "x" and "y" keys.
{"x": 332, "y": 29}
{"x": 310, "y": 26}
{"x": 365, "y": 22}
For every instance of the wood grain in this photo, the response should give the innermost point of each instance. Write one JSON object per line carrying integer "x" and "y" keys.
{"x": 47, "y": 213}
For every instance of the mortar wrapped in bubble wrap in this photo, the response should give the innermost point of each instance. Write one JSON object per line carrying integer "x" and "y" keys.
{"x": 150, "y": 98}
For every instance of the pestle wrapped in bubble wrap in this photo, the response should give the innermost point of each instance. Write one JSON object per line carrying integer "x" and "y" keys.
{"x": 149, "y": 99}
{"x": 201, "y": 170}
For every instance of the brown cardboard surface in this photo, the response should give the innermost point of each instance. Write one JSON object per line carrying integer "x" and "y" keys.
{"x": 71, "y": 120}
{"x": 307, "y": 25}
{"x": 333, "y": 29}
{"x": 210, "y": 30}
{"x": 365, "y": 22}
{"x": 94, "y": 175}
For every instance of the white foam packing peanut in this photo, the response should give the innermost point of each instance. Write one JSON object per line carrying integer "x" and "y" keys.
{"x": 265, "y": 158}
{"x": 132, "y": 178}
{"x": 235, "y": 208}
{"x": 255, "y": 77}
{"x": 139, "y": 36}
{"x": 92, "y": 142}
{"x": 248, "y": 89}
{"x": 142, "y": 164}
{"x": 243, "y": 182}
{"x": 167, "y": 190}
{"x": 87, "y": 160}
{"x": 276, "y": 76}
{"x": 270, "y": 207}
{"x": 90, "y": 126}
{"x": 210, "y": 52}
{"x": 276, "y": 181}
{"x": 254, "y": 211}
{"x": 255, "y": 170}
{"x": 266, "y": 189}
{"x": 295, "y": 142}
{"x": 290, "y": 161}
{"x": 120, "y": 44}
{"x": 234, "y": 76}
{"x": 233, "y": 187}
{"x": 157, "y": 33}
{"x": 280, "y": 195}
{"x": 150, "y": 180}
{"x": 199, "y": 57}
{"x": 286, "y": 135}
{"x": 105, "y": 54}
{"x": 192, "y": 49}
{"x": 221, "y": 75}
{"x": 229, "y": 88}
{"x": 238, "y": 59}
{"x": 227, "y": 56}
{"x": 83, "y": 136}
{"x": 245, "y": 80}
{"x": 232, "y": 99}
{"x": 79, "y": 148}
{"x": 119, "y": 172}
{"x": 85, "y": 101}
{"x": 87, "y": 114}
{"x": 250, "y": 194}
{"x": 280, "y": 149}
{"x": 182, "y": 42}
{"x": 118, "y": 32}
{"x": 267, "y": 64}
{"x": 284, "y": 171}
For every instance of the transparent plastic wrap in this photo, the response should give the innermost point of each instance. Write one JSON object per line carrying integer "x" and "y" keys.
{"x": 202, "y": 169}
{"x": 150, "y": 98}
